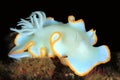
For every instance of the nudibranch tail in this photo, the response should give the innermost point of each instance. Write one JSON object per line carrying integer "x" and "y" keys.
{"x": 20, "y": 55}
{"x": 21, "y": 48}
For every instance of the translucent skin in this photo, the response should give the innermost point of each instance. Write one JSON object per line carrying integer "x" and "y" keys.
{"x": 41, "y": 37}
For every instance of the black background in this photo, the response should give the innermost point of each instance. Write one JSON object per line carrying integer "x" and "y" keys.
{"x": 101, "y": 16}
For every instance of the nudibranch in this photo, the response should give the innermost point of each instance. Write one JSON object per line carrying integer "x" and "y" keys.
{"x": 71, "y": 43}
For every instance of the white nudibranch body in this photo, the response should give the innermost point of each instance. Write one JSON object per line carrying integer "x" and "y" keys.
{"x": 40, "y": 37}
